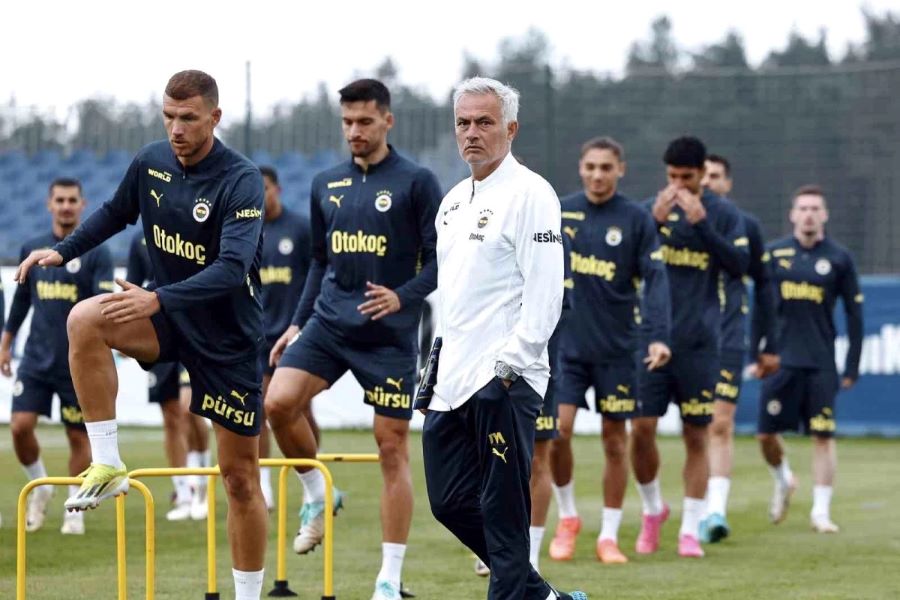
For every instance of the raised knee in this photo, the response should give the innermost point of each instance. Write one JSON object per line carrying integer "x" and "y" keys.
{"x": 241, "y": 483}
{"x": 84, "y": 319}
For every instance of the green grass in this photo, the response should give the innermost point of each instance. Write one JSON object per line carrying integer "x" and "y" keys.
{"x": 758, "y": 561}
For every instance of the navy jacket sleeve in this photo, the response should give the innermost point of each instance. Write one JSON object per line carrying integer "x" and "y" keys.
{"x": 657, "y": 310}
{"x": 727, "y": 239}
{"x": 21, "y": 302}
{"x": 764, "y": 314}
{"x": 102, "y": 279}
{"x": 426, "y": 198}
{"x": 134, "y": 272}
{"x": 318, "y": 260}
{"x": 108, "y": 220}
{"x": 853, "y": 303}
{"x": 238, "y": 244}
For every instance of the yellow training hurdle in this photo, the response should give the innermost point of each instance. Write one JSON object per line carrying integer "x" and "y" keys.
{"x": 149, "y": 531}
{"x": 280, "y": 589}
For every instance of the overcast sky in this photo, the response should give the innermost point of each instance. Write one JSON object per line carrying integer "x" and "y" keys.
{"x": 54, "y": 54}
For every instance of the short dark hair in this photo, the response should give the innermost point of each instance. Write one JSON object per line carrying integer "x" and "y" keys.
{"x": 810, "y": 189}
{"x": 64, "y": 182}
{"x": 686, "y": 151}
{"x": 190, "y": 83}
{"x": 603, "y": 143}
{"x": 720, "y": 160}
{"x": 269, "y": 172}
{"x": 366, "y": 90}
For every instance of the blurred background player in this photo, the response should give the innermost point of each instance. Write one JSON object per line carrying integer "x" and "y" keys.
{"x": 163, "y": 388}
{"x": 285, "y": 262}
{"x": 44, "y": 369}
{"x": 810, "y": 272}
{"x": 701, "y": 235}
{"x": 612, "y": 246}
{"x": 373, "y": 263}
{"x": 733, "y": 351}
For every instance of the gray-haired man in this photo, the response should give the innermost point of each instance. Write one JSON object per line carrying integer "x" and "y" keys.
{"x": 500, "y": 279}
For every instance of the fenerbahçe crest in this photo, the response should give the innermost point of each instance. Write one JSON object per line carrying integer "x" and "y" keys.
{"x": 383, "y": 201}
{"x": 201, "y": 210}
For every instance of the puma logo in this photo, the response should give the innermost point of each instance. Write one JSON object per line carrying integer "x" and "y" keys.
{"x": 397, "y": 383}
{"x": 336, "y": 199}
{"x": 156, "y": 197}
{"x": 726, "y": 375}
{"x": 240, "y": 398}
{"x": 502, "y": 455}
{"x": 625, "y": 389}
{"x": 570, "y": 231}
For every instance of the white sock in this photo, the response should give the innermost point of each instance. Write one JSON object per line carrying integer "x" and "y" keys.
{"x": 782, "y": 473}
{"x": 313, "y": 486}
{"x": 609, "y": 529}
{"x": 194, "y": 461}
{"x": 717, "y": 495}
{"x": 104, "y": 438}
{"x": 182, "y": 485}
{"x": 265, "y": 479}
{"x": 651, "y": 497}
{"x": 537, "y": 537}
{"x": 691, "y": 514}
{"x": 36, "y": 470}
{"x": 247, "y": 584}
{"x": 822, "y": 501}
{"x": 391, "y": 560}
{"x": 565, "y": 500}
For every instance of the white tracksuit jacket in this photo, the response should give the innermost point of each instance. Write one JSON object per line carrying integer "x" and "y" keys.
{"x": 500, "y": 281}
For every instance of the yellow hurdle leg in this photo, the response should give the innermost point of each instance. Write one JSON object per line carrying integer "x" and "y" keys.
{"x": 211, "y": 592}
{"x": 120, "y": 547}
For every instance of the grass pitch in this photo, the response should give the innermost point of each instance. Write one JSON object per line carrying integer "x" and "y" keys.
{"x": 758, "y": 561}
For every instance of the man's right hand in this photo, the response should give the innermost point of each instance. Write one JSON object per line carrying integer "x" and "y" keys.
{"x": 44, "y": 258}
{"x": 278, "y": 349}
{"x": 665, "y": 201}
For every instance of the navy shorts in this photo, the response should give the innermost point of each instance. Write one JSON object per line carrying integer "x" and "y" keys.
{"x": 798, "y": 399}
{"x": 162, "y": 382}
{"x": 614, "y": 387}
{"x": 32, "y": 393}
{"x": 229, "y": 395}
{"x": 263, "y": 357}
{"x": 731, "y": 371}
{"x": 688, "y": 380}
{"x": 387, "y": 374}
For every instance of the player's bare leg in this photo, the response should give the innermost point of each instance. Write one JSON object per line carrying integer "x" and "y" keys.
{"x": 92, "y": 338}
{"x": 541, "y": 485}
{"x": 645, "y": 463}
{"x": 287, "y": 402}
{"x": 238, "y": 457}
{"x": 824, "y": 469}
{"x": 265, "y": 450}
{"x": 392, "y": 437}
{"x": 696, "y": 477}
{"x": 772, "y": 447}
{"x": 175, "y": 432}
{"x": 721, "y": 458}
{"x": 22, "y": 425}
{"x": 615, "y": 479}
{"x": 562, "y": 464}
{"x": 198, "y": 454}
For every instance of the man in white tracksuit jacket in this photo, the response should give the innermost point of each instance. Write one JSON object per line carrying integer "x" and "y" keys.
{"x": 500, "y": 280}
